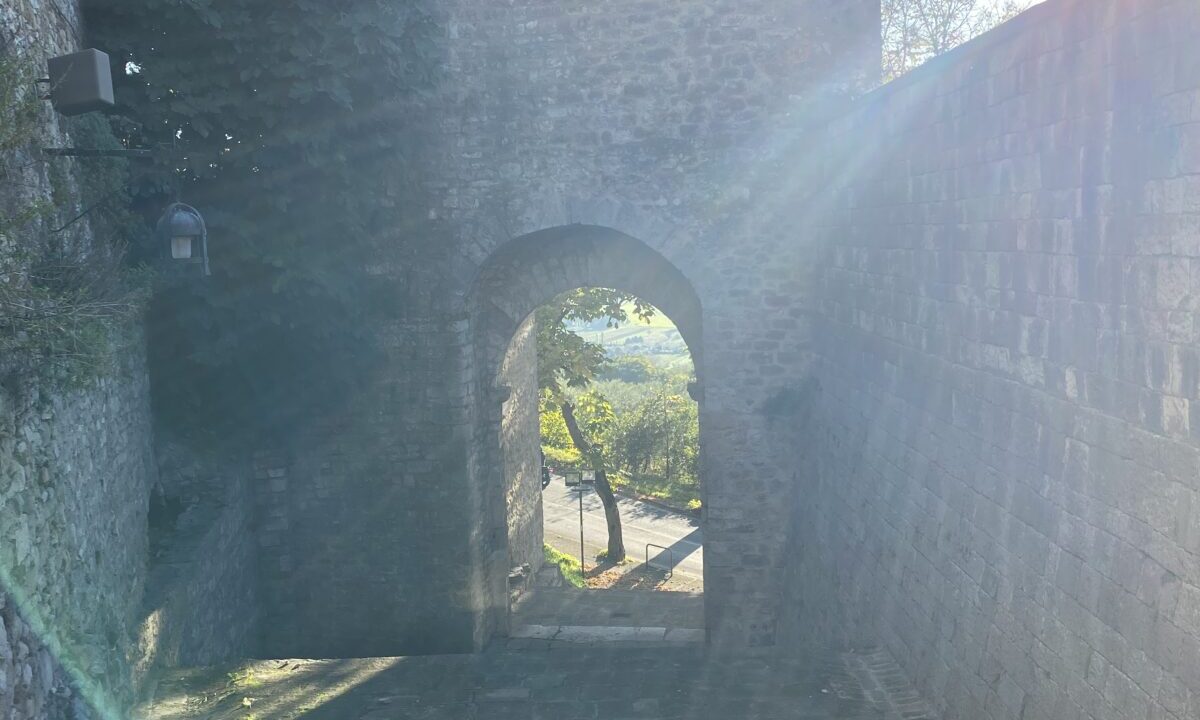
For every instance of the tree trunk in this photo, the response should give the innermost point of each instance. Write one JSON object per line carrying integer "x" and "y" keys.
{"x": 612, "y": 514}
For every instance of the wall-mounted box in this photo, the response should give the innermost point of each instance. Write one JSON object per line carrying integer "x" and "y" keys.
{"x": 81, "y": 82}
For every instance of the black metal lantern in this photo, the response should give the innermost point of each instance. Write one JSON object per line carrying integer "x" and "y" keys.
{"x": 185, "y": 238}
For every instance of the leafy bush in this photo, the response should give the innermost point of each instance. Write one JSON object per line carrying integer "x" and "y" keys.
{"x": 649, "y": 433}
{"x": 568, "y": 565}
{"x": 65, "y": 292}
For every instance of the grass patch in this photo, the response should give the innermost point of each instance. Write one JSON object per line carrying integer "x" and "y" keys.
{"x": 678, "y": 494}
{"x": 244, "y": 678}
{"x": 569, "y": 566}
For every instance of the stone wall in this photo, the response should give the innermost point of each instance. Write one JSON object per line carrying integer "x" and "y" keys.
{"x": 364, "y": 538}
{"x": 636, "y": 122}
{"x": 75, "y": 472}
{"x": 201, "y": 601}
{"x": 1001, "y": 454}
{"x": 76, "y": 465}
{"x": 520, "y": 442}
{"x": 88, "y": 607}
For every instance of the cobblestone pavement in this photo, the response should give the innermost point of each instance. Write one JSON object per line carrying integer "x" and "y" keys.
{"x": 567, "y": 683}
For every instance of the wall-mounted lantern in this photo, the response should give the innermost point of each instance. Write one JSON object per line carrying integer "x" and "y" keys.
{"x": 80, "y": 82}
{"x": 184, "y": 237}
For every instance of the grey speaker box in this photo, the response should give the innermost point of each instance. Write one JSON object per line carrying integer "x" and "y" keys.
{"x": 81, "y": 82}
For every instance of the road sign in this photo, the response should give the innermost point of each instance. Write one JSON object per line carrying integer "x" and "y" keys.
{"x": 572, "y": 477}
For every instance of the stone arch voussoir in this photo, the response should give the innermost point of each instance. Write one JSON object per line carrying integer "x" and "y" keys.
{"x": 531, "y": 270}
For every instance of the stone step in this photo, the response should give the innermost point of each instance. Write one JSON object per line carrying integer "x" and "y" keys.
{"x": 529, "y": 636}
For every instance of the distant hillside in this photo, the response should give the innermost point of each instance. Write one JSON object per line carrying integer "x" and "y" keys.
{"x": 658, "y": 340}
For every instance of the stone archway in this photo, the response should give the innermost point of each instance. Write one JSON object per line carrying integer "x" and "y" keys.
{"x": 514, "y": 281}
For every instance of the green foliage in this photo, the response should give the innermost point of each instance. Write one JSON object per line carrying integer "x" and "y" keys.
{"x": 636, "y": 416}
{"x": 630, "y": 369}
{"x": 648, "y": 431}
{"x": 103, "y": 185}
{"x": 565, "y": 359}
{"x": 569, "y": 566}
{"x": 647, "y": 435}
{"x": 595, "y": 415}
{"x": 18, "y": 103}
{"x": 18, "y": 127}
{"x": 291, "y": 125}
{"x": 596, "y": 420}
{"x": 655, "y": 340}
{"x": 556, "y": 440}
{"x": 563, "y": 457}
{"x": 657, "y": 445}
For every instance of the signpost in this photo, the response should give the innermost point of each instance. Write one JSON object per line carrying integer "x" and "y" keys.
{"x": 580, "y": 480}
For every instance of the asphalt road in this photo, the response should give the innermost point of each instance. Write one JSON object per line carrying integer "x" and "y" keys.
{"x": 641, "y": 523}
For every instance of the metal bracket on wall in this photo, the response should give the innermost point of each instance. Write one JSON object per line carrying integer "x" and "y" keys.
{"x": 132, "y": 154}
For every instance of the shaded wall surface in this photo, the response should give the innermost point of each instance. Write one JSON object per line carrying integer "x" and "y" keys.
{"x": 616, "y": 124}
{"x": 90, "y": 605}
{"x": 76, "y": 460}
{"x": 75, "y": 471}
{"x": 200, "y": 606}
{"x": 521, "y": 442}
{"x": 1001, "y": 453}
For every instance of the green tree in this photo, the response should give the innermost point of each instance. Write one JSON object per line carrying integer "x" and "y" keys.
{"x": 631, "y": 369}
{"x": 289, "y": 126}
{"x": 656, "y": 444}
{"x": 916, "y": 30}
{"x": 567, "y": 361}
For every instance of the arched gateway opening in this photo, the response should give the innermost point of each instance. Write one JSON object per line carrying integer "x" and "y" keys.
{"x": 504, "y": 461}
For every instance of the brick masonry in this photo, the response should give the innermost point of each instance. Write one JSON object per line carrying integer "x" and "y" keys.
{"x": 999, "y": 458}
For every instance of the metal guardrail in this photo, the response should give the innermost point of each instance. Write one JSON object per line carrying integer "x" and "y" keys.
{"x": 670, "y": 555}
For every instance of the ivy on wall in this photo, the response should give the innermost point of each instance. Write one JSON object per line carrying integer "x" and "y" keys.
{"x": 65, "y": 291}
{"x": 285, "y": 124}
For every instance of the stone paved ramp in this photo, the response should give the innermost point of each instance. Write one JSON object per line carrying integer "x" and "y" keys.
{"x": 563, "y": 684}
{"x": 548, "y": 616}
{"x": 609, "y": 608}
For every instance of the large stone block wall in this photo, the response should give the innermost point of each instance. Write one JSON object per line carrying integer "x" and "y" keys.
{"x": 641, "y": 118}
{"x": 1000, "y": 464}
